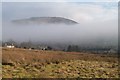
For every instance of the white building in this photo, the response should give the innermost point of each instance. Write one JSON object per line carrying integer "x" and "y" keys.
{"x": 9, "y": 46}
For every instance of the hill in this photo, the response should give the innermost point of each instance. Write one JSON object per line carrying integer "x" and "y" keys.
{"x": 45, "y": 20}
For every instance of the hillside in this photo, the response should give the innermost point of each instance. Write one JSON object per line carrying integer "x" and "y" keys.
{"x": 24, "y": 63}
{"x": 45, "y": 20}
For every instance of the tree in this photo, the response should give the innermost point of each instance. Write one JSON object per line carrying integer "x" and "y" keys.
{"x": 73, "y": 48}
{"x": 69, "y": 48}
{"x": 49, "y": 48}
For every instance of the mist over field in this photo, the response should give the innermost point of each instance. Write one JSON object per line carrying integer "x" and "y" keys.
{"x": 59, "y": 39}
{"x": 60, "y": 33}
{"x": 97, "y": 23}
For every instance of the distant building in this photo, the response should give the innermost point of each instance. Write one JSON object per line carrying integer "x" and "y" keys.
{"x": 9, "y": 45}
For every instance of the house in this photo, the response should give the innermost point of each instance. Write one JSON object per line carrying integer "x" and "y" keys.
{"x": 9, "y": 45}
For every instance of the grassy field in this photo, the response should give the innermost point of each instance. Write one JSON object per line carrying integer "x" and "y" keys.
{"x": 23, "y": 63}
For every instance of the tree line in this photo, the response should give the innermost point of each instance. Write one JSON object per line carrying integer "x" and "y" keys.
{"x": 68, "y": 48}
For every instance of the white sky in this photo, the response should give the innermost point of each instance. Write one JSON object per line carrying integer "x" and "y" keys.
{"x": 80, "y": 12}
{"x": 59, "y": 0}
{"x": 96, "y": 19}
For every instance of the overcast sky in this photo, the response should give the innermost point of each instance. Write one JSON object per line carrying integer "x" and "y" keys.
{"x": 80, "y": 12}
{"x": 60, "y": 0}
{"x": 95, "y": 18}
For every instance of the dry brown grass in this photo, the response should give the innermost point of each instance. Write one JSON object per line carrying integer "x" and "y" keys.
{"x": 29, "y": 56}
{"x": 57, "y": 64}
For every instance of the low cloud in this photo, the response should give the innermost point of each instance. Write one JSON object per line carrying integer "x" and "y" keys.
{"x": 96, "y": 22}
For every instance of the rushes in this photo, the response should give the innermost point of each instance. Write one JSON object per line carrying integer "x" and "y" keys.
{"x": 58, "y": 64}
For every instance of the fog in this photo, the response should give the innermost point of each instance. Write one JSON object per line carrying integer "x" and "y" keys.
{"x": 59, "y": 33}
{"x": 97, "y": 24}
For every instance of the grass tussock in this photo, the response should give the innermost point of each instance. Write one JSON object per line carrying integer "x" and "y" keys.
{"x": 57, "y": 64}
